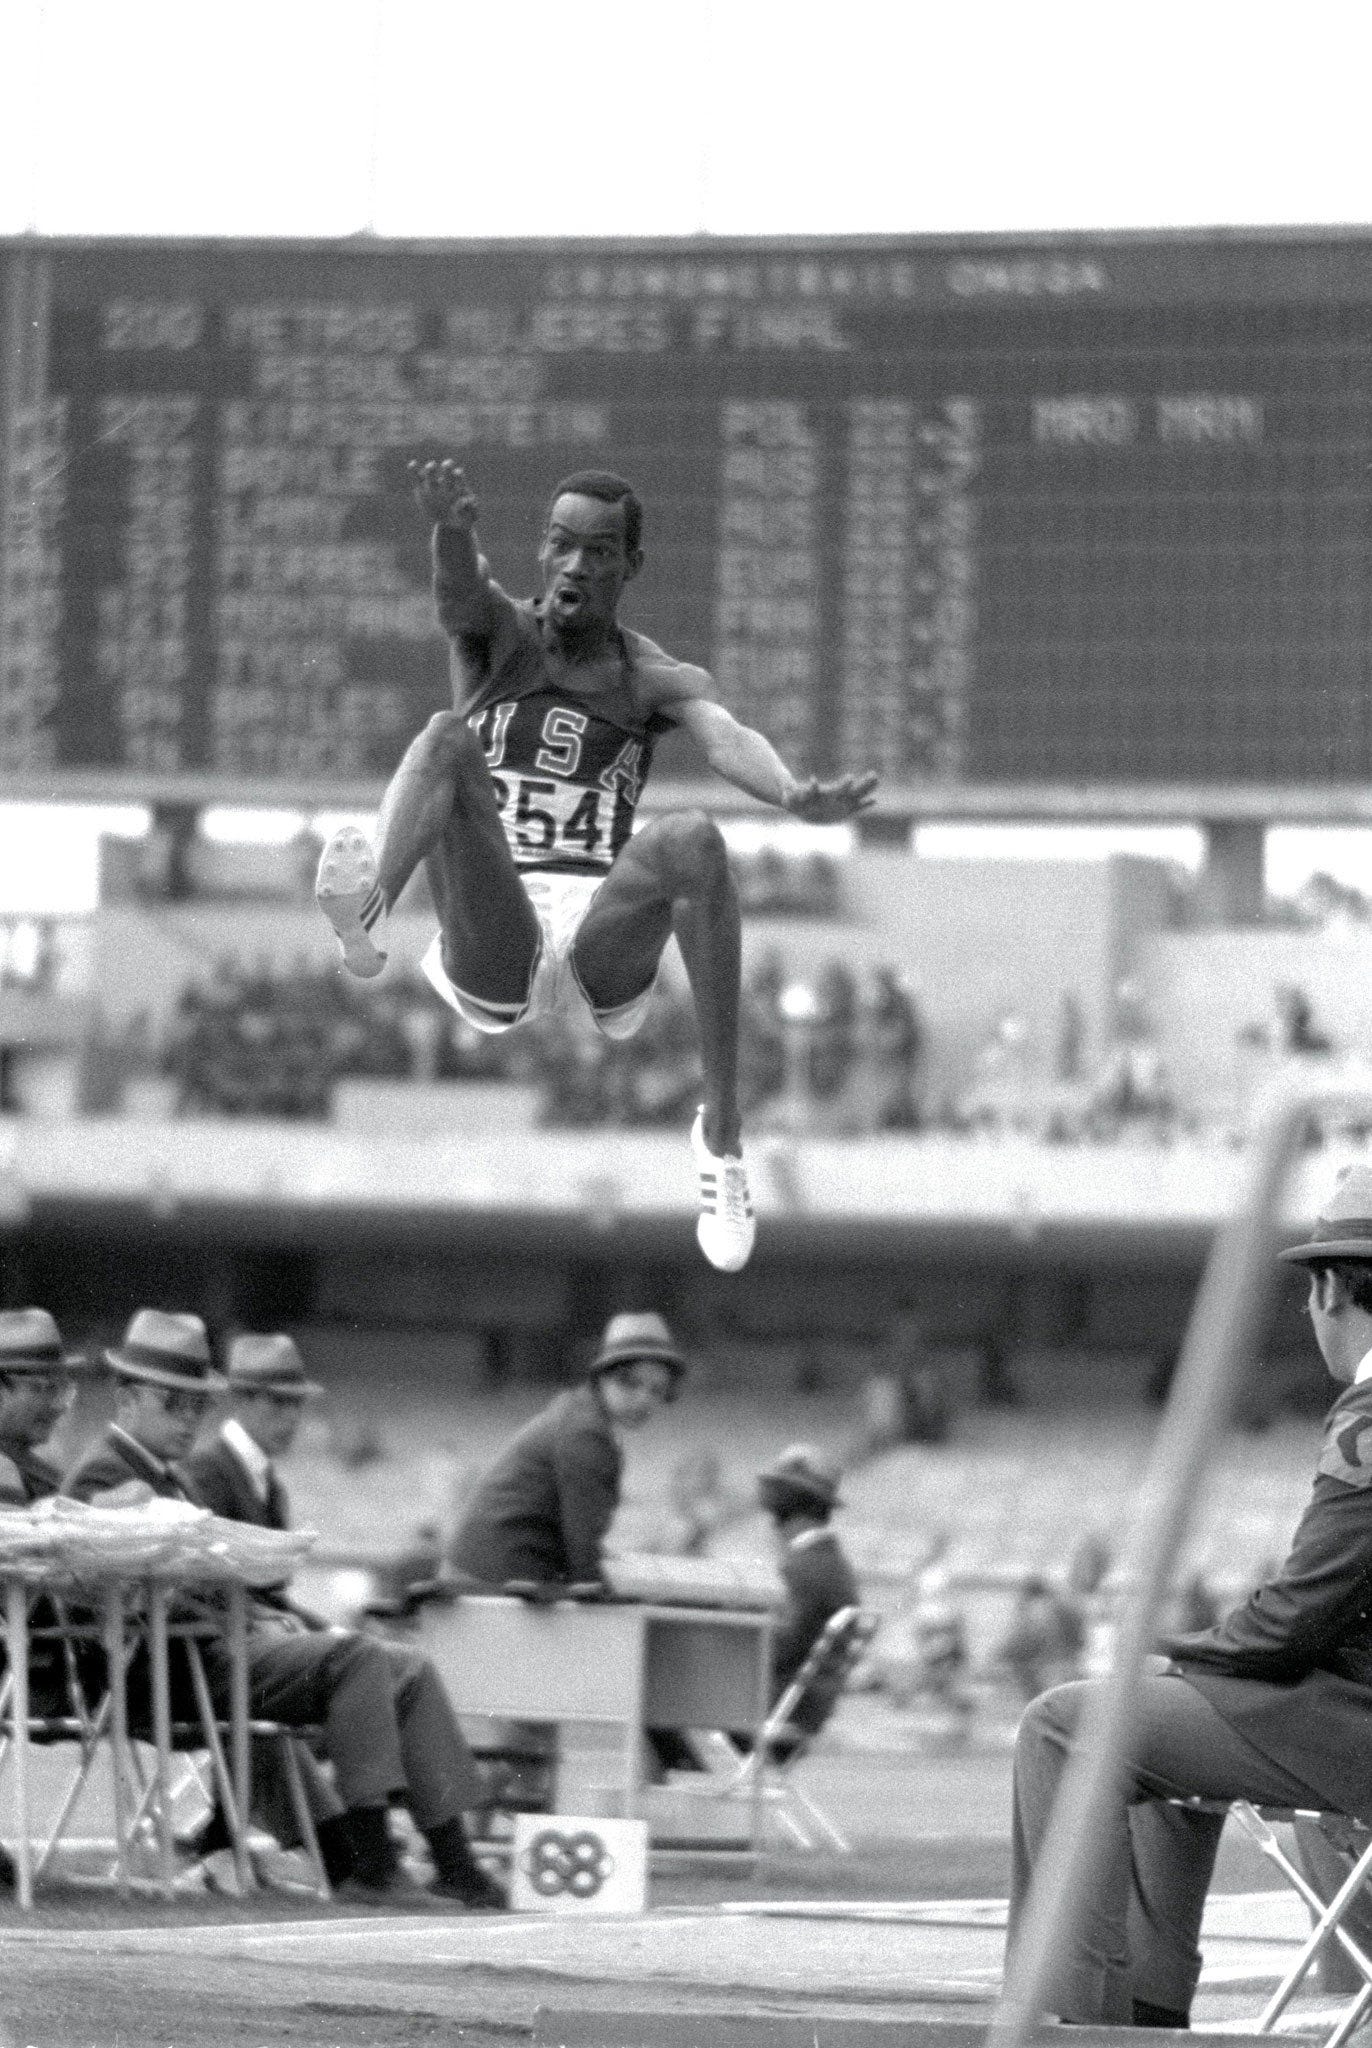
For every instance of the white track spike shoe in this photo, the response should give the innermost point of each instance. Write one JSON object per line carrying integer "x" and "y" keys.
{"x": 725, "y": 1226}
{"x": 346, "y": 891}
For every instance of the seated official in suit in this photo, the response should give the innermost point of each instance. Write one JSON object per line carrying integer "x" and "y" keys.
{"x": 389, "y": 1735}
{"x": 37, "y": 1385}
{"x": 235, "y": 1475}
{"x": 799, "y": 1490}
{"x": 1272, "y": 1704}
{"x": 540, "y": 1514}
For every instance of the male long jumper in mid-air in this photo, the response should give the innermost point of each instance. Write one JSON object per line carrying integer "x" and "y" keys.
{"x": 520, "y": 802}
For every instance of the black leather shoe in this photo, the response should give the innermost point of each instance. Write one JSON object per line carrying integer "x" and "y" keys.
{"x": 478, "y": 1892}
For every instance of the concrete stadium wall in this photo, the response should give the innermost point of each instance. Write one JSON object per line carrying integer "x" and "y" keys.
{"x": 1205, "y": 987}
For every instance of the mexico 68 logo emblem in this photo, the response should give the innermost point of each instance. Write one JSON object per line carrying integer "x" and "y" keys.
{"x": 555, "y": 1863}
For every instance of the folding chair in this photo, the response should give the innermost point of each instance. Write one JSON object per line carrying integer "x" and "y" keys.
{"x": 1259, "y": 1823}
{"x": 766, "y": 1769}
{"x": 142, "y": 1798}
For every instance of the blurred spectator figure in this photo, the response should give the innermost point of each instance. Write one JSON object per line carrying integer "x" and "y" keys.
{"x": 833, "y": 1032}
{"x": 1294, "y": 1031}
{"x": 935, "y": 1671}
{"x": 1325, "y": 901}
{"x": 918, "y": 1395}
{"x": 999, "y": 1095}
{"x": 655, "y": 1075}
{"x": 31, "y": 957}
{"x": 1069, "y": 1039}
{"x": 1043, "y": 1643}
{"x": 701, "y": 1502}
{"x": 571, "y": 1067}
{"x": 895, "y": 1044}
{"x": 762, "y": 1032}
{"x": 1132, "y": 1087}
{"x": 799, "y": 1490}
{"x": 1289, "y": 1029}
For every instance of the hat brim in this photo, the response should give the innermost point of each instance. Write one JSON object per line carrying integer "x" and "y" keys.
{"x": 1321, "y": 1250}
{"x": 135, "y": 1369}
{"x": 66, "y": 1361}
{"x": 642, "y": 1354}
{"x": 638, "y": 1354}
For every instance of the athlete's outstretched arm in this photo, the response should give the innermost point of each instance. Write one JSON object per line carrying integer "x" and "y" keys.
{"x": 462, "y": 589}
{"x": 747, "y": 760}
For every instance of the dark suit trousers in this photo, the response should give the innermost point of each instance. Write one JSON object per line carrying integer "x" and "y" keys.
{"x": 1142, "y": 1930}
{"x": 389, "y": 1729}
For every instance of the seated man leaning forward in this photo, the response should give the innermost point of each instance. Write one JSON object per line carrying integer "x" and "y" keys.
{"x": 799, "y": 1490}
{"x": 1272, "y": 1704}
{"x": 540, "y": 1514}
{"x": 389, "y": 1730}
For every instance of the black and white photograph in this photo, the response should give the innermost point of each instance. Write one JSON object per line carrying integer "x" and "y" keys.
{"x": 685, "y": 1024}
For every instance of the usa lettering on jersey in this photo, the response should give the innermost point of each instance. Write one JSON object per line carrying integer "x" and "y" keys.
{"x": 566, "y": 781}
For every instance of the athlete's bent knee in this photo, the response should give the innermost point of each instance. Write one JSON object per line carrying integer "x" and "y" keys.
{"x": 691, "y": 849}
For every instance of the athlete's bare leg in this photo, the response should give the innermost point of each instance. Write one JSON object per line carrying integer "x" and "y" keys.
{"x": 673, "y": 876}
{"x": 440, "y": 808}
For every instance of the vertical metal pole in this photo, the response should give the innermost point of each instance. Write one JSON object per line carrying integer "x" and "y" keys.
{"x": 240, "y": 1748}
{"x": 1220, "y": 1340}
{"x": 161, "y": 1730}
{"x": 119, "y": 1730}
{"x": 17, "y": 1642}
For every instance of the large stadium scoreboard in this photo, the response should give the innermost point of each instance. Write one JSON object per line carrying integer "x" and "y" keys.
{"x": 983, "y": 515}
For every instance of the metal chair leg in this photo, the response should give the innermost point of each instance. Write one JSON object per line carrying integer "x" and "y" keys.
{"x": 304, "y": 1819}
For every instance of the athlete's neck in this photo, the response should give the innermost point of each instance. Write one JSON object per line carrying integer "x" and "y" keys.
{"x": 579, "y": 643}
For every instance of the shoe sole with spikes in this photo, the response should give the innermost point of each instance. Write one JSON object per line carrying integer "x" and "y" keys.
{"x": 346, "y": 891}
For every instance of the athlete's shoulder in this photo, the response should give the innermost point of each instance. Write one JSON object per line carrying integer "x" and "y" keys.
{"x": 485, "y": 669}
{"x": 660, "y": 681}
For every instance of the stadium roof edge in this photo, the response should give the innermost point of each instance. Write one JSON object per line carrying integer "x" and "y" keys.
{"x": 1218, "y": 234}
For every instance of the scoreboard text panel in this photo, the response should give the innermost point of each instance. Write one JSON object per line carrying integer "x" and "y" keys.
{"x": 1094, "y": 512}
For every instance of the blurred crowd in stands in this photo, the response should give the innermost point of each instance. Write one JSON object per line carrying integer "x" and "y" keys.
{"x": 841, "y": 1054}
{"x": 838, "y": 1055}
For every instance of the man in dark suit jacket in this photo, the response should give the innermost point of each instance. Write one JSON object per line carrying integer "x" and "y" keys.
{"x": 800, "y": 1492}
{"x": 235, "y": 1473}
{"x": 37, "y": 1382}
{"x": 1272, "y": 1704}
{"x": 386, "y": 1738}
{"x": 541, "y": 1512}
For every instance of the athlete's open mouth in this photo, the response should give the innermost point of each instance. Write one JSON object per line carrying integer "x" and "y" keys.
{"x": 567, "y": 599}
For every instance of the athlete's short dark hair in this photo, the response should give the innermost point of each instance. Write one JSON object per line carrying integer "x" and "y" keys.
{"x": 611, "y": 490}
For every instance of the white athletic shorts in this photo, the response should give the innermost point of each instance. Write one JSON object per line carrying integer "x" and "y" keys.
{"x": 560, "y": 902}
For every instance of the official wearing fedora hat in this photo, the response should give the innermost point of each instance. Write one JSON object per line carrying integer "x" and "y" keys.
{"x": 540, "y": 1514}
{"x": 389, "y": 1728}
{"x": 37, "y": 1381}
{"x": 1272, "y": 1704}
{"x": 799, "y": 1490}
{"x": 235, "y": 1472}
{"x": 38, "y": 1377}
